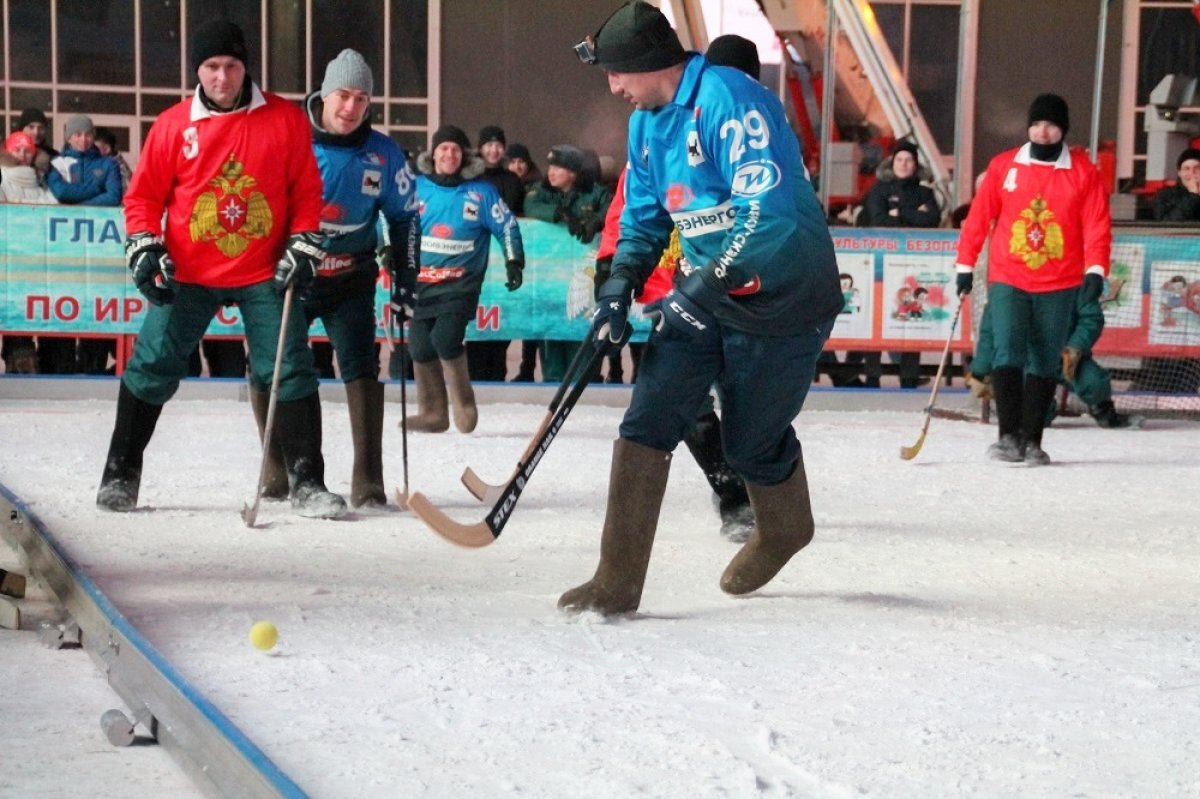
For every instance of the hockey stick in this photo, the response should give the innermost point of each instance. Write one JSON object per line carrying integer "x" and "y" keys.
{"x": 480, "y": 534}
{"x": 908, "y": 453}
{"x": 402, "y": 497}
{"x": 488, "y": 493}
{"x": 250, "y": 512}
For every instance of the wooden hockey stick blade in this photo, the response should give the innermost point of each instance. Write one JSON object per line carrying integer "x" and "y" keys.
{"x": 908, "y": 453}
{"x": 472, "y": 536}
{"x": 480, "y": 489}
{"x": 250, "y": 513}
{"x": 10, "y": 614}
{"x": 402, "y": 499}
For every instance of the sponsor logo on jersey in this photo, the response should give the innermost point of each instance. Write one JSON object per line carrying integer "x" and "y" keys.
{"x": 440, "y": 274}
{"x": 333, "y": 264}
{"x": 755, "y": 178}
{"x": 471, "y": 212}
{"x": 372, "y": 182}
{"x": 374, "y": 159}
{"x": 678, "y": 197}
{"x": 446, "y": 246}
{"x": 695, "y": 155}
{"x": 441, "y": 230}
{"x": 705, "y": 220}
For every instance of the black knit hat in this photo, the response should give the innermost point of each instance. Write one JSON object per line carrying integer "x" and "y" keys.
{"x": 491, "y": 133}
{"x": 452, "y": 134}
{"x": 518, "y": 150}
{"x": 31, "y": 115}
{"x": 567, "y": 157}
{"x": 1050, "y": 108}
{"x": 218, "y": 37}
{"x": 732, "y": 50}
{"x": 1190, "y": 154}
{"x": 637, "y": 38}
{"x": 908, "y": 147}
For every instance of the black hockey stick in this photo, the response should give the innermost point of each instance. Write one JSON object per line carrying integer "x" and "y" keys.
{"x": 250, "y": 512}
{"x": 398, "y": 342}
{"x": 488, "y": 493}
{"x": 482, "y": 533}
{"x": 908, "y": 453}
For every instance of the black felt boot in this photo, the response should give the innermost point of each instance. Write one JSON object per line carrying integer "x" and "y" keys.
{"x": 298, "y": 425}
{"x": 1008, "y": 388}
{"x": 704, "y": 442}
{"x": 1038, "y": 394}
{"x": 122, "y": 476}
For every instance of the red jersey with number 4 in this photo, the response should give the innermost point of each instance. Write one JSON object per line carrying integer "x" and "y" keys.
{"x": 1051, "y": 221}
{"x": 234, "y": 186}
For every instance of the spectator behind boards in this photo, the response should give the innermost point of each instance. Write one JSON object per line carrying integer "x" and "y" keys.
{"x": 106, "y": 143}
{"x": 518, "y": 161}
{"x": 232, "y": 172}
{"x": 80, "y": 174}
{"x": 19, "y": 181}
{"x": 1046, "y": 211}
{"x": 1181, "y": 202}
{"x": 33, "y": 121}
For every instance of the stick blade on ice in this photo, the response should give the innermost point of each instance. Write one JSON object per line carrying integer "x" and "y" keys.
{"x": 472, "y": 536}
{"x": 483, "y": 491}
{"x": 908, "y": 453}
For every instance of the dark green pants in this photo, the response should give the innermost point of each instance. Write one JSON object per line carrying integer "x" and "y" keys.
{"x": 170, "y": 333}
{"x": 1030, "y": 330}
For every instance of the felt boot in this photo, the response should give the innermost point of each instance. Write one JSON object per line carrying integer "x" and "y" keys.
{"x": 432, "y": 415}
{"x": 275, "y": 479}
{"x": 364, "y": 400}
{"x": 462, "y": 395}
{"x": 635, "y": 490}
{"x": 298, "y": 425}
{"x": 122, "y": 478}
{"x": 783, "y": 525}
{"x": 704, "y": 442}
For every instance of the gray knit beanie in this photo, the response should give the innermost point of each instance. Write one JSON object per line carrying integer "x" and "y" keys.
{"x": 348, "y": 71}
{"x": 79, "y": 123}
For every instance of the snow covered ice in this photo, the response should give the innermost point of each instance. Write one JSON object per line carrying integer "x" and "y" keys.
{"x": 958, "y": 627}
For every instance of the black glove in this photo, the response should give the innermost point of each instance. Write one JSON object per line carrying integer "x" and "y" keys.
{"x": 514, "y": 270}
{"x": 690, "y": 306}
{"x": 611, "y": 317}
{"x": 299, "y": 263}
{"x": 1093, "y": 287}
{"x": 964, "y": 281}
{"x": 603, "y": 273}
{"x": 153, "y": 270}
{"x": 404, "y": 293}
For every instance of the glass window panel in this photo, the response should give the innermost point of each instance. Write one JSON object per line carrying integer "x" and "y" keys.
{"x": 246, "y": 14}
{"x": 933, "y": 69}
{"x": 406, "y": 114}
{"x": 29, "y": 21}
{"x": 409, "y": 43}
{"x": 155, "y": 104}
{"x": 71, "y": 102}
{"x": 160, "y": 42}
{"x": 1170, "y": 43}
{"x": 95, "y": 42}
{"x": 348, "y": 23}
{"x": 411, "y": 141}
{"x": 285, "y": 46}
{"x": 33, "y": 98}
{"x": 891, "y": 23}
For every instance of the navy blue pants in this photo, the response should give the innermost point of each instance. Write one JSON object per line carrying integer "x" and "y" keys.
{"x": 350, "y": 324}
{"x": 761, "y": 381}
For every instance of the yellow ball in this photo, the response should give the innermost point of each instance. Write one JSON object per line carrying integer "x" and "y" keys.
{"x": 263, "y": 635}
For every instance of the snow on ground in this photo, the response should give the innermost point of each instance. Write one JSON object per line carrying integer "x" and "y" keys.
{"x": 958, "y": 627}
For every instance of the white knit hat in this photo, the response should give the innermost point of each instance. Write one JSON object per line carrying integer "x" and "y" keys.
{"x": 348, "y": 71}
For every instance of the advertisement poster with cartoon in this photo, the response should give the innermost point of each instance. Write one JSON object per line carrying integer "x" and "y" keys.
{"x": 1122, "y": 297}
{"x": 1175, "y": 303}
{"x": 857, "y": 276}
{"x": 918, "y": 296}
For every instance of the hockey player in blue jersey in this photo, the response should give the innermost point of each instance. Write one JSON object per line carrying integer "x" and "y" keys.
{"x": 710, "y": 153}
{"x": 363, "y": 173}
{"x": 460, "y": 214}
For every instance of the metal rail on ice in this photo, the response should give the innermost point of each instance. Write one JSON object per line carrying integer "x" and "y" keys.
{"x": 215, "y": 754}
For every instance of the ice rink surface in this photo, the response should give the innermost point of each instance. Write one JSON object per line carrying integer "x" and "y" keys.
{"x": 958, "y": 627}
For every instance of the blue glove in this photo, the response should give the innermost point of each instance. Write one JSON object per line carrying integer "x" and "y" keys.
{"x": 691, "y": 306}
{"x": 299, "y": 263}
{"x": 1093, "y": 287}
{"x": 964, "y": 281}
{"x": 611, "y": 317}
{"x": 153, "y": 270}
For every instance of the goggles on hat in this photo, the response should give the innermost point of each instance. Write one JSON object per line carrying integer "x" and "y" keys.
{"x": 586, "y": 50}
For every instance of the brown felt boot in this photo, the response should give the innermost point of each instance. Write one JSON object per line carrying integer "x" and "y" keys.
{"x": 275, "y": 479}
{"x": 635, "y": 491}
{"x": 783, "y": 525}
{"x": 462, "y": 396}
{"x": 364, "y": 400}
{"x": 432, "y": 414}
